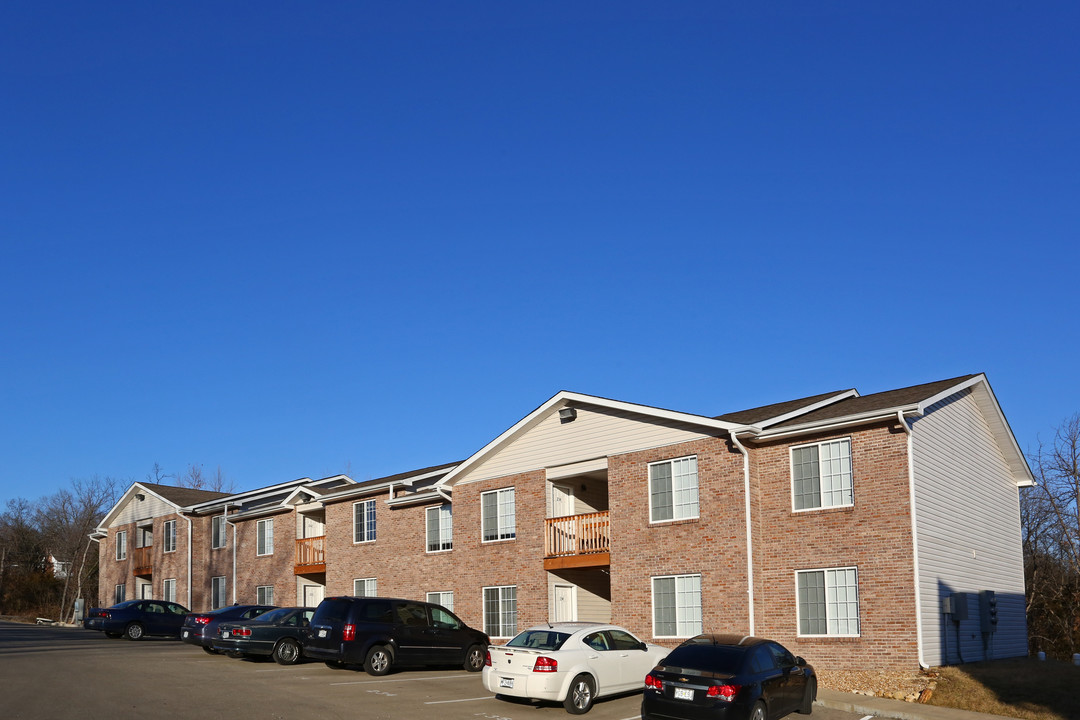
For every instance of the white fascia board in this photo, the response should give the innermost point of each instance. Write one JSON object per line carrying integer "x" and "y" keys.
{"x": 255, "y": 494}
{"x": 361, "y": 489}
{"x": 808, "y": 408}
{"x": 839, "y": 422}
{"x": 564, "y": 399}
{"x": 261, "y": 512}
{"x": 424, "y": 496}
{"x": 999, "y": 426}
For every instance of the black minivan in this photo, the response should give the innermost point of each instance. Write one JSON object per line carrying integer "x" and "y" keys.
{"x": 381, "y": 633}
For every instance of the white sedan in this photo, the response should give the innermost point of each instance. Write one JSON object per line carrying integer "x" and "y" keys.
{"x": 570, "y": 662}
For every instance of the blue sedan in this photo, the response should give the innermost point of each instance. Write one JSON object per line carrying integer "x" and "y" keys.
{"x": 135, "y": 619}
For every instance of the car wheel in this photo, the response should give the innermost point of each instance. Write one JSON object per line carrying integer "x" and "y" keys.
{"x": 378, "y": 660}
{"x": 758, "y": 713}
{"x": 134, "y": 631}
{"x": 579, "y": 698}
{"x": 808, "y": 697}
{"x": 287, "y": 652}
{"x": 113, "y": 635}
{"x": 474, "y": 659}
{"x": 209, "y": 650}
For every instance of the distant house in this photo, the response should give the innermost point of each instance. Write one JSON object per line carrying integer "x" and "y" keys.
{"x": 856, "y": 529}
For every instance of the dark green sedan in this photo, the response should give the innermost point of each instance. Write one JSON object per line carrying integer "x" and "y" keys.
{"x": 276, "y": 633}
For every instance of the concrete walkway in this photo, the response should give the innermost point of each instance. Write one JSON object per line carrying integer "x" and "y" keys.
{"x": 884, "y": 707}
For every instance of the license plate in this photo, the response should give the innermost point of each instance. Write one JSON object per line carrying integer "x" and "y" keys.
{"x": 684, "y": 694}
{"x": 506, "y": 682}
{"x": 225, "y": 634}
{"x": 185, "y": 633}
{"x": 322, "y": 633}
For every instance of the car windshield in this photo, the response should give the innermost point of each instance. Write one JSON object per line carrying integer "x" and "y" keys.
{"x": 539, "y": 640}
{"x": 273, "y": 616}
{"x": 711, "y": 658}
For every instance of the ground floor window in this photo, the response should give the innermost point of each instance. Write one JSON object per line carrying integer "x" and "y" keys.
{"x": 120, "y": 593}
{"x": 446, "y": 599}
{"x": 264, "y": 595}
{"x": 168, "y": 590}
{"x": 364, "y": 587}
{"x": 828, "y": 601}
{"x": 676, "y": 601}
{"x": 217, "y": 592}
{"x": 500, "y": 611}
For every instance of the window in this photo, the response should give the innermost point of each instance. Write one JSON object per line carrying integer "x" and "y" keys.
{"x": 446, "y": 599}
{"x": 168, "y": 590}
{"x": 121, "y": 545}
{"x": 119, "y": 593}
{"x": 169, "y": 531}
{"x": 497, "y": 515}
{"x": 828, "y": 601}
{"x": 821, "y": 475}
{"x": 364, "y": 587}
{"x": 218, "y": 532}
{"x": 265, "y": 540}
{"x": 217, "y": 592}
{"x": 673, "y": 490}
{"x": 363, "y": 521}
{"x": 500, "y": 611}
{"x": 440, "y": 528}
{"x": 676, "y": 605}
{"x": 264, "y": 595}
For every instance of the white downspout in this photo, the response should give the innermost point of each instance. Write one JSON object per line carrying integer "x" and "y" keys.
{"x": 188, "y": 560}
{"x": 914, "y": 539}
{"x": 225, "y": 517}
{"x": 749, "y": 536}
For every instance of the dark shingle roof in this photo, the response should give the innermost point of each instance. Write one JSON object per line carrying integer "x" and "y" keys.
{"x": 412, "y": 473}
{"x": 877, "y": 401}
{"x": 755, "y": 415}
{"x": 183, "y": 496}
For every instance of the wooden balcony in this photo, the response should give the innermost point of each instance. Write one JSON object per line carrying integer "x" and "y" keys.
{"x": 143, "y": 561}
{"x": 576, "y": 541}
{"x": 310, "y": 556}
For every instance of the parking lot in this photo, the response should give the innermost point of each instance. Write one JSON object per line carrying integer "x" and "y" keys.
{"x": 73, "y": 673}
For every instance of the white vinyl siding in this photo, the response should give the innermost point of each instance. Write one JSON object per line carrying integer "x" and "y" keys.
{"x": 265, "y": 537}
{"x": 821, "y": 475}
{"x": 676, "y": 601}
{"x": 264, "y": 595}
{"x": 445, "y": 598}
{"x": 828, "y": 602}
{"x": 365, "y": 587}
{"x": 217, "y": 592}
{"x": 121, "y": 545}
{"x": 364, "y": 521}
{"x": 500, "y": 611}
{"x": 673, "y": 490}
{"x": 217, "y": 525}
{"x": 168, "y": 530}
{"x": 440, "y": 528}
{"x": 958, "y": 465}
{"x": 498, "y": 520}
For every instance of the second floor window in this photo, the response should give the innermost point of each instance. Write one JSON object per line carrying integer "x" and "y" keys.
{"x": 440, "y": 529}
{"x": 364, "y": 521}
{"x": 498, "y": 520}
{"x": 821, "y": 475}
{"x": 265, "y": 541}
{"x": 121, "y": 545}
{"x": 673, "y": 489}
{"x": 168, "y": 529}
{"x": 217, "y": 534}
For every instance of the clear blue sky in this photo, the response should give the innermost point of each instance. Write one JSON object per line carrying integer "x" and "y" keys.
{"x": 297, "y": 239}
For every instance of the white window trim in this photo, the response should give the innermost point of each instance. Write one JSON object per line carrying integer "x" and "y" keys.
{"x": 119, "y": 593}
{"x": 374, "y": 583}
{"x": 268, "y": 542}
{"x": 121, "y": 544}
{"x": 648, "y": 480}
{"x": 224, "y": 535}
{"x": 427, "y": 540}
{"x": 652, "y": 602}
{"x": 354, "y": 529}
{"x": 483, "y": 609}
{"x": 165, "y": 536}
{"x": 264, "y": 588}
{"x": 437, "y": 600}
{"x": 165, "y": 595}
{"x": 498, "y": 525}
{"x": 791, "y": 471}
{"x": 224, "y": 592}
{"x": 798, "y": 612}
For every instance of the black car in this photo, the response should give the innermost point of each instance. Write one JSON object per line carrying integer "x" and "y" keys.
{"x": 203, "y": 628}
{"x": 135, "y": 619}
{"x": 278, "y": 633}
{"x": 730, "y": 677}
{"x": 381, "y": 633}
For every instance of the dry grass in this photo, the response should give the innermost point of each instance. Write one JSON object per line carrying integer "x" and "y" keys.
{"x": 1020, "y": 688}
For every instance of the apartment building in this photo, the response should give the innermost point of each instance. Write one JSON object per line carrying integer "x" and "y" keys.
{"x": 856, "y": 529}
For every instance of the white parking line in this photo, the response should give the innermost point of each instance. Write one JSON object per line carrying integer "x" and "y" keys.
{"x": 441, "y": 702}
{"x": 415, "y": 679}
{"x": 866, "y": 717}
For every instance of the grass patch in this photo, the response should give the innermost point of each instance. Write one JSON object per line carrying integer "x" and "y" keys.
{"x": 1021, "y": 688}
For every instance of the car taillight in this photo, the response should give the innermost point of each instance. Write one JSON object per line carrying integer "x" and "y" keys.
{"x": 487, "y": 658}
{"x": 105, "y": 614}
{"x": 546, "y": 664}
{"x": 724, "y": 692}
{"x": 202, "y": 619}
{"x": 651, "y": 681}
{"x": 348, "y": 632}
{"x": 242, "y": 631}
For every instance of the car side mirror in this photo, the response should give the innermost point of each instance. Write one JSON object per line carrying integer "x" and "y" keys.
{"x": 642, "y": 646}
{"x": 800, "y": 662}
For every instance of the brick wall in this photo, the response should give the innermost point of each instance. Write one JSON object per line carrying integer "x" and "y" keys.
{"x": 276, "y": 569}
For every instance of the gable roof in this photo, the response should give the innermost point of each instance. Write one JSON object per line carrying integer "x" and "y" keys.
{"x": 778, "y": 412}
{"x": 183, "y": 496}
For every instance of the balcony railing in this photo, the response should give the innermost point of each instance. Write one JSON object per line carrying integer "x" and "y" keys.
{"x": 310, "y": 555}
{"x": 142, "y": 558}
{"x": 577, "y": 535}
